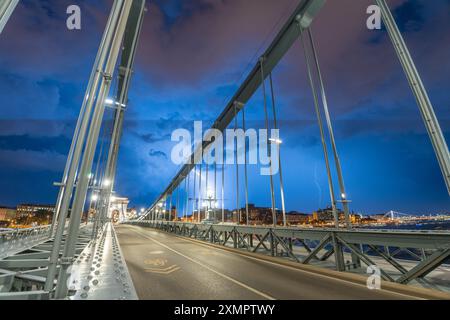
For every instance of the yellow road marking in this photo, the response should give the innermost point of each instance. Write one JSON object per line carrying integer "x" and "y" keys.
{"x": 156, "y": 252}
{"x": 165, "y": 271}
{"x": 155, "y": 262}
{"x": 329, "y": 277}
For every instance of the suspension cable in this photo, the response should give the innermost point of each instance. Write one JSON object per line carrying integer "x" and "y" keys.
{"x": 194, "y": 200}
{"x": 215, "y": 185}
{"x": 223, "y": 190}
{"x": 245, "y": 170}
{"x": 200, "y": 192}
{"x": 187, "y": 196}
{"x": 321, "y": 128}
{"x": 272, "y": 193}
{"x": 275, "y": 124}
{"x": 238, "y": 211}
{"x": 343, "y": 194}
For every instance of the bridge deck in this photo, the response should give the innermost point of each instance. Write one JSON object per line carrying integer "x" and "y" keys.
{"x": 166, "y": 267}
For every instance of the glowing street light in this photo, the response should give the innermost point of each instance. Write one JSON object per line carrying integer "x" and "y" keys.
{"x": 276, "y": 141}
{"x": 111, "y": 102}
{"x": 94, "y": 197}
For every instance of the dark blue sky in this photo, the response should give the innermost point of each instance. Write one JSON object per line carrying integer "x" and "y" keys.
{"x": 192, "y": 57}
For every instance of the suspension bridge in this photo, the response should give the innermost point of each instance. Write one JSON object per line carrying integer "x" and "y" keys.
{"x": 216, "y": 254}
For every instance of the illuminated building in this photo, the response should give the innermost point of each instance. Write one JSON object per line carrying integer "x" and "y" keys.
{"x": 25, "y": 210}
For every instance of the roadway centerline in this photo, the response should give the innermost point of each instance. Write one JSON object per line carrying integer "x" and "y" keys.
{"x": 262, "y": 294}
{"x": 242, "y": 254}
{"x": 349, "y": 283}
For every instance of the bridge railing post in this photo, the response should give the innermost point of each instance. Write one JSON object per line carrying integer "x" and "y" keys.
{"x": 338, "y": 253}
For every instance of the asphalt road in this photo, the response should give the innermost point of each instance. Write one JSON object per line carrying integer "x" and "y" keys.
{"x": 165, "y": 267}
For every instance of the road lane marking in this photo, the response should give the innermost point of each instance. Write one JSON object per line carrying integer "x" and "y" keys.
{"x": 156, "y": 262}
{"x": 349, "y": 283}
{"x": 156, "y": 252}
{"x": 262, "y": 294}
{"x": 165, "y": 271}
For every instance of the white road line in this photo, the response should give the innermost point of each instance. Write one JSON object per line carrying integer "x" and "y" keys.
{"x": 409, "y": 297}
{"x": 301, "y": 270}
{"x": 262, "y": 294}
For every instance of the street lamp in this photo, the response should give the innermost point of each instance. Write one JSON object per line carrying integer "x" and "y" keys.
{"x": 276, "y": 141}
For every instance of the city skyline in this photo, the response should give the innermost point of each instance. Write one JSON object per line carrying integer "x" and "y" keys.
{"x": 387, "y": 159}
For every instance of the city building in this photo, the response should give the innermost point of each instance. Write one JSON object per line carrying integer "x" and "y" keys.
{"x": 296, "y": 218}
{"x": 26, "y": 210}
{"x": 325, "y": 216}
{"x": 118, "y": 209}
{"x": 355, "y": 218}
{"x": 259, "y": 215}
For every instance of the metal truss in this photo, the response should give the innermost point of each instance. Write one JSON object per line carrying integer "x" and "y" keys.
{"x": 23, "y": 274}
{"x": 12, "y": 242}
{"x": 34, "y": 259}
{"x": 101, "y": 272}
{"x": 98, "y": 272}
{"x": 402, "y": 256}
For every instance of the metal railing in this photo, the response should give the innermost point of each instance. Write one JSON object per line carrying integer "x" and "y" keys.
{"x": 17, "y": 240}
{"x": 402, "y": 256}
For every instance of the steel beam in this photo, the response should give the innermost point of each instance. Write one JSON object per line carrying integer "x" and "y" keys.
{"x": 320, "y": 246}
{"x": 31, "y": 295}
{"x": 426, "y": 108}
{"x": 25, "y": 263}
{"x": 365, "y": 258}
{"x": 89, "y": 151}
{"x": 6, "y": 9}
{"x": 130, "y": 43}
{"x": 426, "y": 266}
{"x": 79, "y": 140}
{"x": 389, "y": 259}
